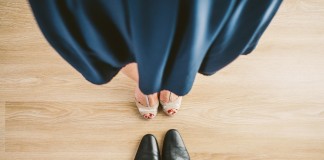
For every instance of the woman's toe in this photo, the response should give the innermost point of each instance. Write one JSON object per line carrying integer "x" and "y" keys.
{"x": 146, "y": 116}
{"x": 149, "y": 116}
{"x": 172, "y": 111}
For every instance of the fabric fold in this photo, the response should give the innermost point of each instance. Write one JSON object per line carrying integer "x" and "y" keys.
{"x": 170, "y": 40}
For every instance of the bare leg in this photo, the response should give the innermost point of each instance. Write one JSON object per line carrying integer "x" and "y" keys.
{"x": 166, "y": 96}
{"x": 131, "y": 71}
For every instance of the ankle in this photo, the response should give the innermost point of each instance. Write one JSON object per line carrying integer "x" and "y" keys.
{"x": 141, "y": 98}
{"x": 167, "y": 96}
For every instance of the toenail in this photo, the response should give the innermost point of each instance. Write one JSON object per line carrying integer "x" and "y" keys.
{"x": 170, "y": 111}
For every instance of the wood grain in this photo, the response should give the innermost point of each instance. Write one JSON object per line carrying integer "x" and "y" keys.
{"x": 268, "y": 105}
{"x": 2, "y": 127}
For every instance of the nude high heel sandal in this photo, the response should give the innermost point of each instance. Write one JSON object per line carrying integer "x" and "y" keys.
{"x": 171, "y": 108}
{"x": 148, "y": 112}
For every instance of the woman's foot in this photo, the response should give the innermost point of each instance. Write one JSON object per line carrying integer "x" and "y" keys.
{"x": 170, "y": 102}
{"x": 147, "y": 104}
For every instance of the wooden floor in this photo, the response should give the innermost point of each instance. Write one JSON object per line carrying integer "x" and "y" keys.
{"x": 265, "y": 106}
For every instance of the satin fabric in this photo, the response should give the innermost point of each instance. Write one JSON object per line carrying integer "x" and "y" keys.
{"x": 171, "y": 40}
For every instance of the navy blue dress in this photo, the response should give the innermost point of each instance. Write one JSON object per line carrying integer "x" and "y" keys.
{"x": 171, "y": 40}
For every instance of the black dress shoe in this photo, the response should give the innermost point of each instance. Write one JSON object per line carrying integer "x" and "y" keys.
{"x": 148, "y": 149}
{"x": 173, "y": 147}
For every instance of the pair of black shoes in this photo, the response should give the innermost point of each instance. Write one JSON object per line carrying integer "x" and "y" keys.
{"x": 173, "y": 148}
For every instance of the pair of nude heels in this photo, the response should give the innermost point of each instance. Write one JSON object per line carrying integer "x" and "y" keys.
{"x": 149, "y": 112}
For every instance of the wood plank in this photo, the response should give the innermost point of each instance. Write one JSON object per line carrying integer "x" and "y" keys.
{"x": 95, "y": 127}
{"x": 2, "y": 127}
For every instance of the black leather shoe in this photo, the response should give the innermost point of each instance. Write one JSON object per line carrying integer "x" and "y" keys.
{"x": 148, "y": 149}
{"x": 173, "y": 147}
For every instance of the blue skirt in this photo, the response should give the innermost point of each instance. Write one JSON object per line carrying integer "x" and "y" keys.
{"x": 170, "y": 40}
